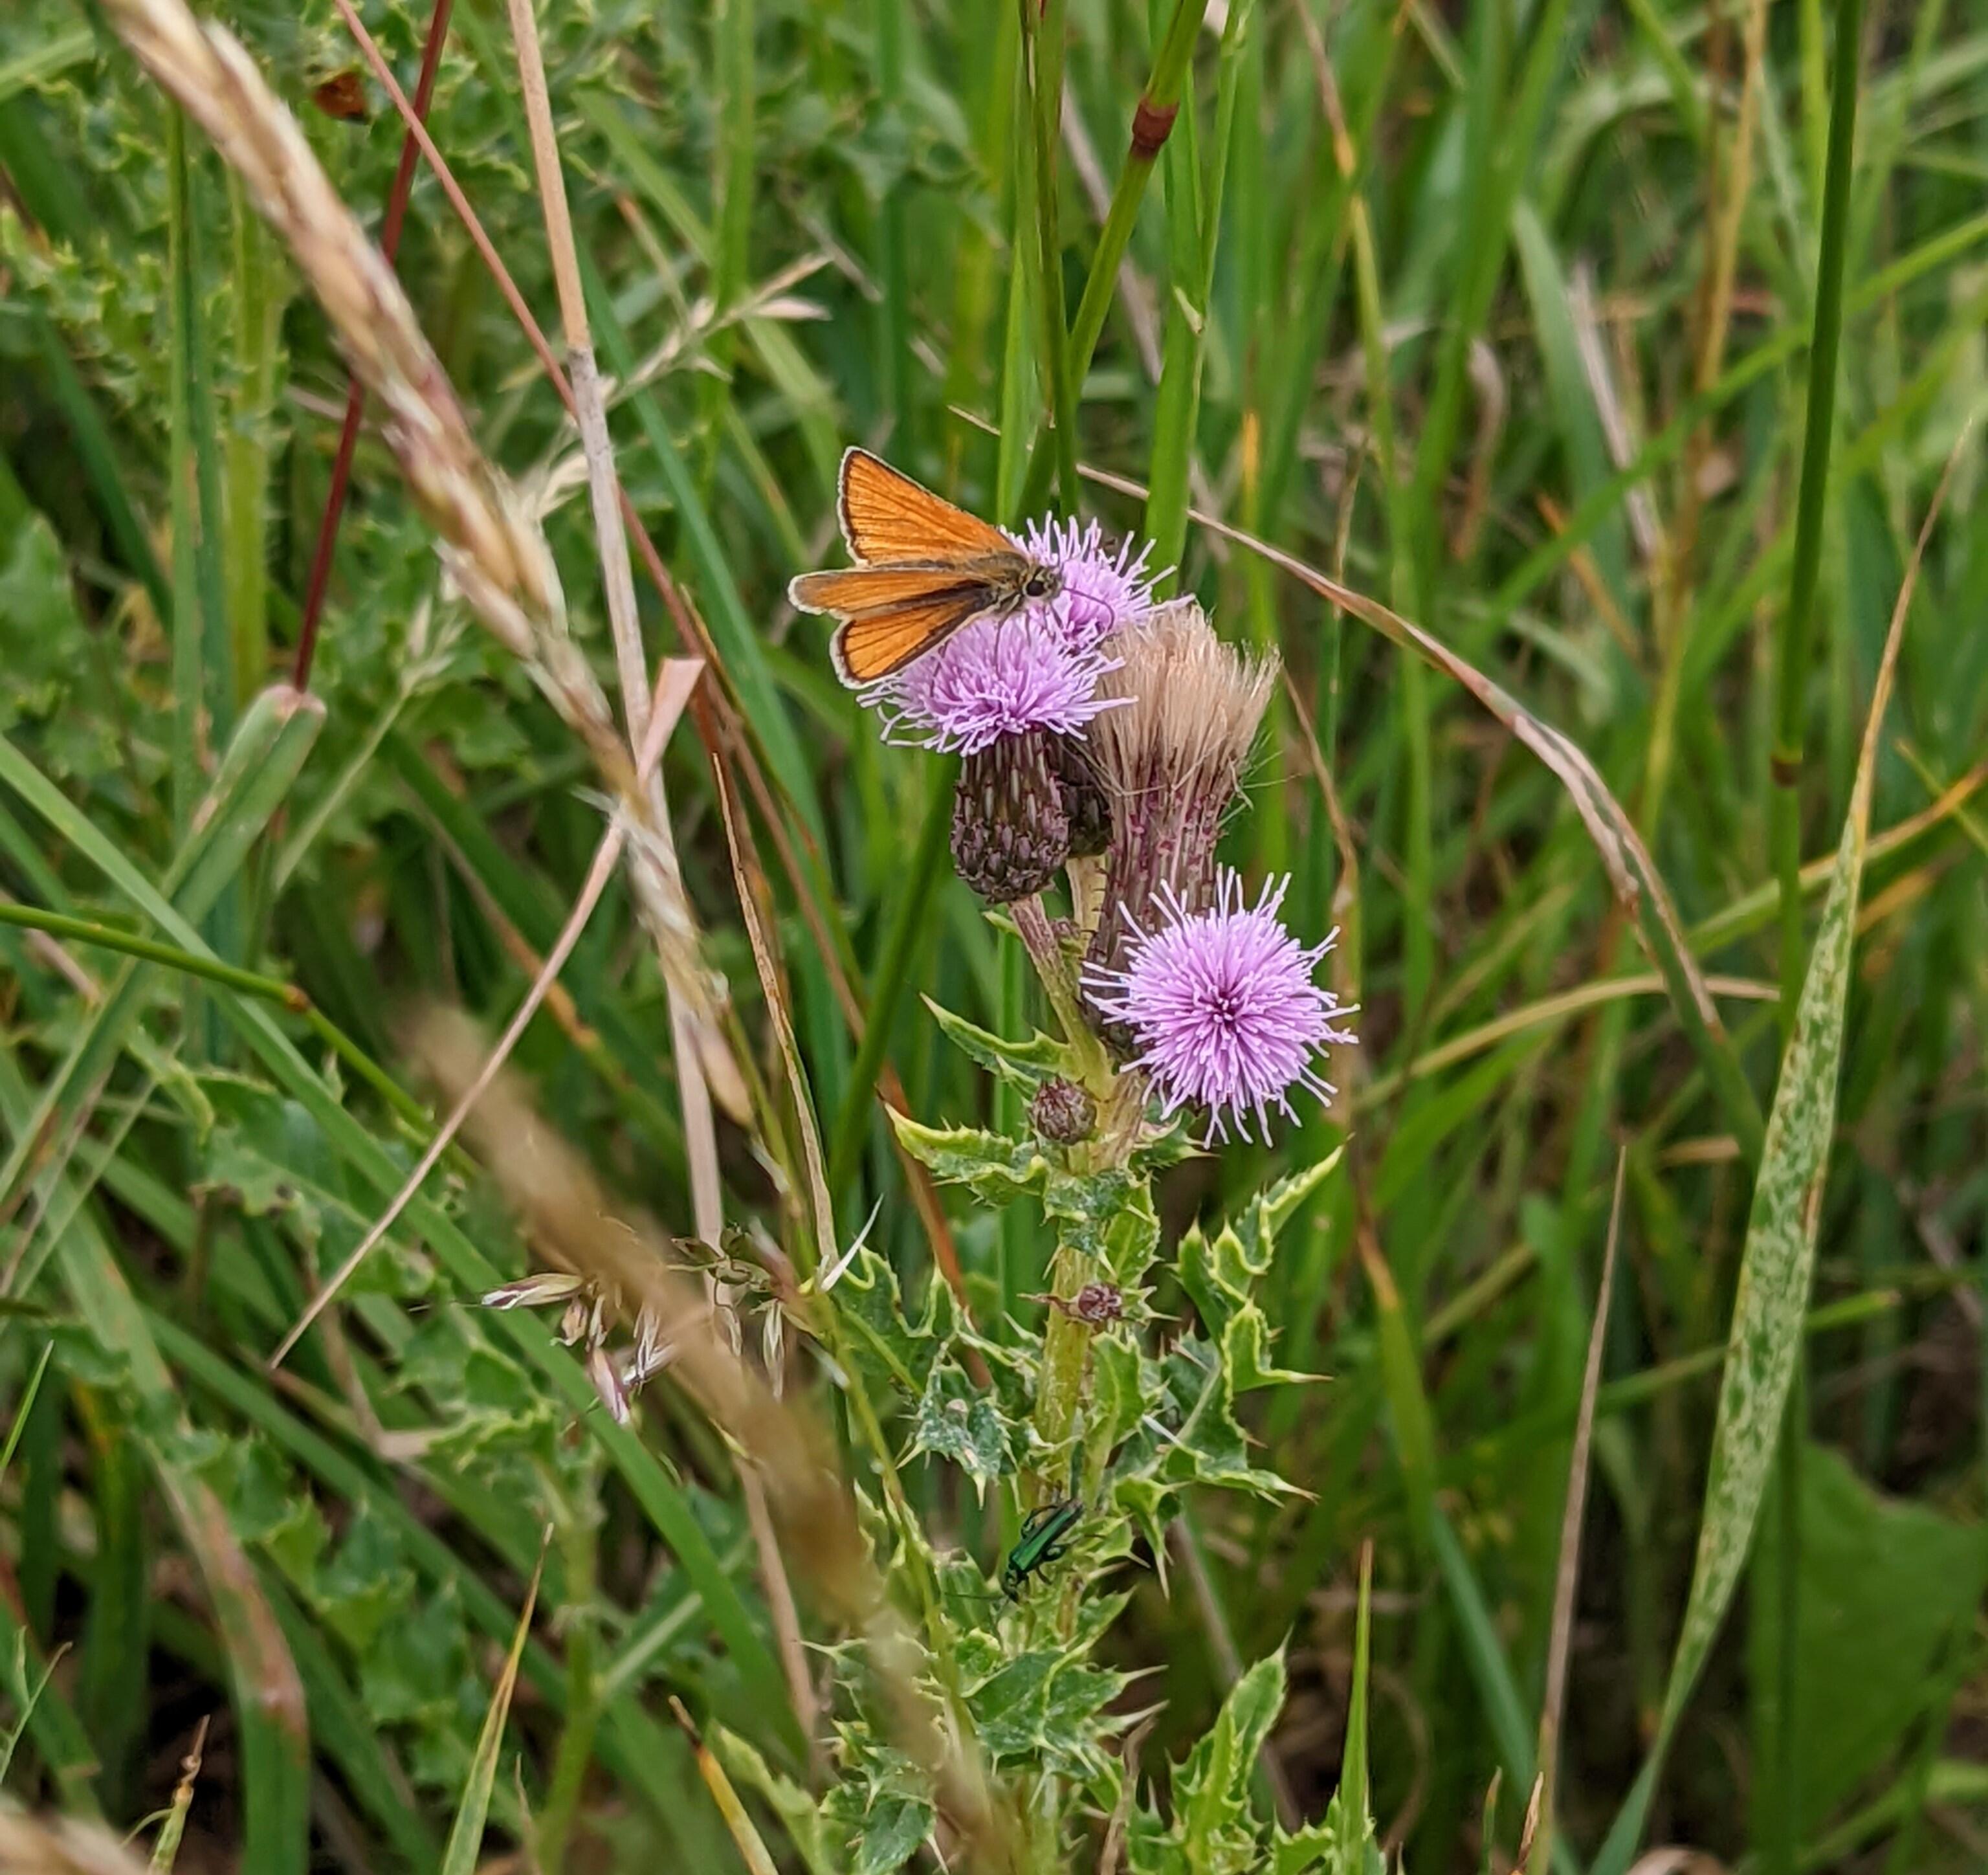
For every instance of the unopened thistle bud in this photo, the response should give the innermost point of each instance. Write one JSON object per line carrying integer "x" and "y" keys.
{"x": 1062, "y": 1113}
{"x": 1085, "y": 803}
{"x": 1010, "y": 831}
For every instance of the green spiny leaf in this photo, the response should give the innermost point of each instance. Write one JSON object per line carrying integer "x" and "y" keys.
{"x": 957, "y": 1420}
{"x": 1026, "y": 1064}
{"x": 995, "y": 1167}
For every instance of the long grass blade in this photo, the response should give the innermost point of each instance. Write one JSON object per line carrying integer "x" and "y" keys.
{"x": 465, "y": 1837}
{"x": 1779, "y": 1256}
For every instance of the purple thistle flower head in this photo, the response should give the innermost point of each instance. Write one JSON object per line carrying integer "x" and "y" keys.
{"x": 993, "y": 678}
{"x": 1222, "y": 1006}
{"x": 1103, "y": 588}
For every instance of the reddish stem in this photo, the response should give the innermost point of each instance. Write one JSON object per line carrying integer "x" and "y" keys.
{"x": 355, "y": 393}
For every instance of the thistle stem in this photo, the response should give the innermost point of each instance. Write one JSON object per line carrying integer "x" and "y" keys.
{"x": 1054, "y": 965}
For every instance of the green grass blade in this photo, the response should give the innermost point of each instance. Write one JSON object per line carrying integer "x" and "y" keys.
{"x": 909, "y": 912}
{"x": 736, "y": 633}
{"x": 1152, "y": 119}
{"x": 1795, "y": 640}
{"x": 657, "y": 1493}
{"x": 268, "y": 1697}
{"x": 465, "y": 1836}
{"x": 1043, "y": 30}
{"x": 1776, "y": 1262}
{"x": 254, "y": 781}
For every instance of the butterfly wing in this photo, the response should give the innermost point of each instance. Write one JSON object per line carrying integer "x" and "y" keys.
{"x": 873, "y": 645}
{"x": 845, "y": 591}
{"x": 888, "y": 516}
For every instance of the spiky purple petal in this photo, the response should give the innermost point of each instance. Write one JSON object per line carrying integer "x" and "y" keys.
{"x": 993, "y": 678}
{"x": 1222, "y": 1006}
{"x": 1103, "y": 588}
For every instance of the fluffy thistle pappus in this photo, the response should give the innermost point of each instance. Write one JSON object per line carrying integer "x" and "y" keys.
{"x": 1220, "y": 1008}
{"x": 1170, "y": 761}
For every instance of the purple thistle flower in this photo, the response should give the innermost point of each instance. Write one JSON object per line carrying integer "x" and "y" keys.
{"x": 1222, "y": 1007}
{"x": 994, "y": 677}
{"x": 1103, "y": 588}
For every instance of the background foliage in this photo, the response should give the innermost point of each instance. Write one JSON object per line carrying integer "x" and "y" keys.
{"x": 1504, "y": 314}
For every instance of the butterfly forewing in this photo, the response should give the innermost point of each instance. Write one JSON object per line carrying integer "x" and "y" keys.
{"x": 851, "y": 590}
{"x": 924, "y": 569}
{"x": 887, "y": 517}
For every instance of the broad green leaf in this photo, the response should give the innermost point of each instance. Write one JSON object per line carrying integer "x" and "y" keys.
{"x": 1045, "y": 1707}
{"x": 1246, "y": 1350}
{"x": 1108, "y": 1216}
{"x": 994, "y": 1166}
{"x": 1884, "y": 1587}
{"x": 1776, "y": 1263}
{"x": 957, "y": 1420}
{"x": 1212, "y": 1817}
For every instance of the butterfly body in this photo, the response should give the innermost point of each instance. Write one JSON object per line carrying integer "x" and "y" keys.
{"x": 924, "y": 569}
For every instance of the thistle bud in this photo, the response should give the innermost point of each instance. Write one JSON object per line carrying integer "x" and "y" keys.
{"x": 1062, "y": 1113}
{"x": 1085, "y": 803}
{"x": 1010, "y": 831}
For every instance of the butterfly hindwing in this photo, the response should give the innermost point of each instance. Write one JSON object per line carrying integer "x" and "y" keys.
{"x": 872, "y": 645}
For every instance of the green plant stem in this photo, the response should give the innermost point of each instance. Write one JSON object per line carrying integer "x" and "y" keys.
{"x": 576, "y": 1539}
{"x": 229, "y": 977}
{"x": 1152, "y": 120}
{"x": 82, "y": 930}
{"x": 1795, "y": 643}
{"x": 1066, "y": 1362}
{"x": 1042, "y": 43}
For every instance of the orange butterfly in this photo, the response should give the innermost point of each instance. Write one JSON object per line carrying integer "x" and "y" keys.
{"x": 924, "y": 569}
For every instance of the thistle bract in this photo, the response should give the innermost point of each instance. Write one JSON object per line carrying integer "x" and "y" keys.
{"x": 1170, "y": 762}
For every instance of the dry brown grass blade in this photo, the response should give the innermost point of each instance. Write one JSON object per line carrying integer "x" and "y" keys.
{"x": 577, "y": 1226}
{"x": 675, "y": 683}
{"x": 738, "y": 1818}
{"x": 1560, "y": 1639}
{"x": 489, "y": 544}
{"x": 738, "y": 843}
{"x": 61, "y": 1846}
{"x": 705, "y": 1064}
{"x": 719, "y": 725}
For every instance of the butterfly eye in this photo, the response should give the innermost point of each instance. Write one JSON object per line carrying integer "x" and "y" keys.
{"x": 1040, "y": 584}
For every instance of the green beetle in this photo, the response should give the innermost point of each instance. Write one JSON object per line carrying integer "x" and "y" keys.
{"x": 1044, "y": 1531}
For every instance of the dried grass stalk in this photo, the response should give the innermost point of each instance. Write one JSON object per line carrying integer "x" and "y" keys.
{"x": 576, "y": 1225}
{"x": 60, "y": 1845}
{"x": 489, "y": 542}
